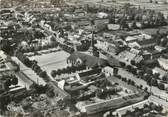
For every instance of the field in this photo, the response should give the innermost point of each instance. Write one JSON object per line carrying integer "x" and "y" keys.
{"x": 51, "y": 61}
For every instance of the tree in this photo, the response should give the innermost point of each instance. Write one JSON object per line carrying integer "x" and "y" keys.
{"x": 156, "y": 75}
{"x": 132, "y": 62}
{"x": 145, "y": 106}
{"x": 159, "y": 108}
{"x": 146, "y": 89}
{"x": 14, "y": 80}
{"x": 122, "y": 64}
{"x": 128, "y": 112}
{"x": 165, "y": 78}
{"x": 34, "y": 63}
{"x": 36, "y": 68}
{"x": 53, "y": 73}
{"x": 138, "y": 114}
{"x": 149, "y": 71}
{"x": 153, "y": 106}
{"x": 149, "y": 81}
{"x": 133, "y": 83}
{"x": 161, "y": 86}
{"x": 115, "y": 71}
{"x": 7, "y": 84}
{"x": 140, "y": 73}
{"x": 164, "y": 42}
{"x": 59, "y": 72}
{"x": 129, "y": 67}
{"x": 154, "y": 82}
{"x": 146, "y": 110}
{"x": 134, "y": 71}
{"x": 38, "y": 71}
{"x": 98, "y": 92}
{"x": 129, "y": 81}
{"x": 50, "y": 93}
{"x": 43, "y": 74}
{"x": 141, "y": 86}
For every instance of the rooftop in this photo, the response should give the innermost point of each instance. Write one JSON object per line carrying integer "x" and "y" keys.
{"x": 88, "y": 60}
{"x": 146, "y": 42}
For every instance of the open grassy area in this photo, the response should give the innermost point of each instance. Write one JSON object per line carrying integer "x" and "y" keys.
{"x": 51, "y": 61}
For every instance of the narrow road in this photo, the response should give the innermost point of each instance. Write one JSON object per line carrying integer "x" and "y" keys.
{"x": 24, "y": 80}
{"x": 27, "y": 74}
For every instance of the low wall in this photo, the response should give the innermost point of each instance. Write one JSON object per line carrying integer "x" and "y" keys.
{"x": 113, "y": 103}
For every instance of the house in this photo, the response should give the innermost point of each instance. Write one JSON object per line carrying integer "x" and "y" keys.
{"x": 102, "y": 44}
{"x": 113, "y": 26}
{"x": 160, "y": 48}
{"x": 112, "y": 48}
{"x": 135, "y": 51}
{"x": 156, "y": 54}
{"x": 88, "y": 75}
{"x": 9, "y": 66}
{"x": 83, "y": 23}
{"x": 127, "y": 55}
{"x": 163, "y": 62}
{"x": 109, "y": 35}
{"x": 133, "y": 45}
{"x": 101, "y": 21}
{"x": 130, "y": 39}
{"x": 145, "y": 36}
{"x": 108, "y": 71}
{"x": 138, "y": 59}
{"x": 100, "y": 27}
{"x": 160, "y": 71}
{"x": 135, "y": 36}
{"x": 82, "y": 80}
{"x": 80, "y": 12}
{"x": 102, "y": 15}
{"x": 147, "y": 43}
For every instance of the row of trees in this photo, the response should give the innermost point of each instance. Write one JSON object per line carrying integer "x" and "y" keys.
{"x": 147, "y": 108}
{"x": 128, "y": 81}
{"x": 147, "y": 75}
{"x": 66, "y": 48}
{"x": 32, "y": 64}
{"x": 68, "y": 70}
{"x": 151, "y": 79}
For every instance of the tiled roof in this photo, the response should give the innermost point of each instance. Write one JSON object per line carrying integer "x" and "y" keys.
{"x": 146, "y": 42}
{"x": 91, "y": 72}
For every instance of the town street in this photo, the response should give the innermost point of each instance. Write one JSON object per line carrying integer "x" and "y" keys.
{"x": 139, "y": 82}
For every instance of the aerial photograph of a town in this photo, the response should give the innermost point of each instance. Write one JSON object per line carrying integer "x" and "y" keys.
{"x": 83, "y": 58}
